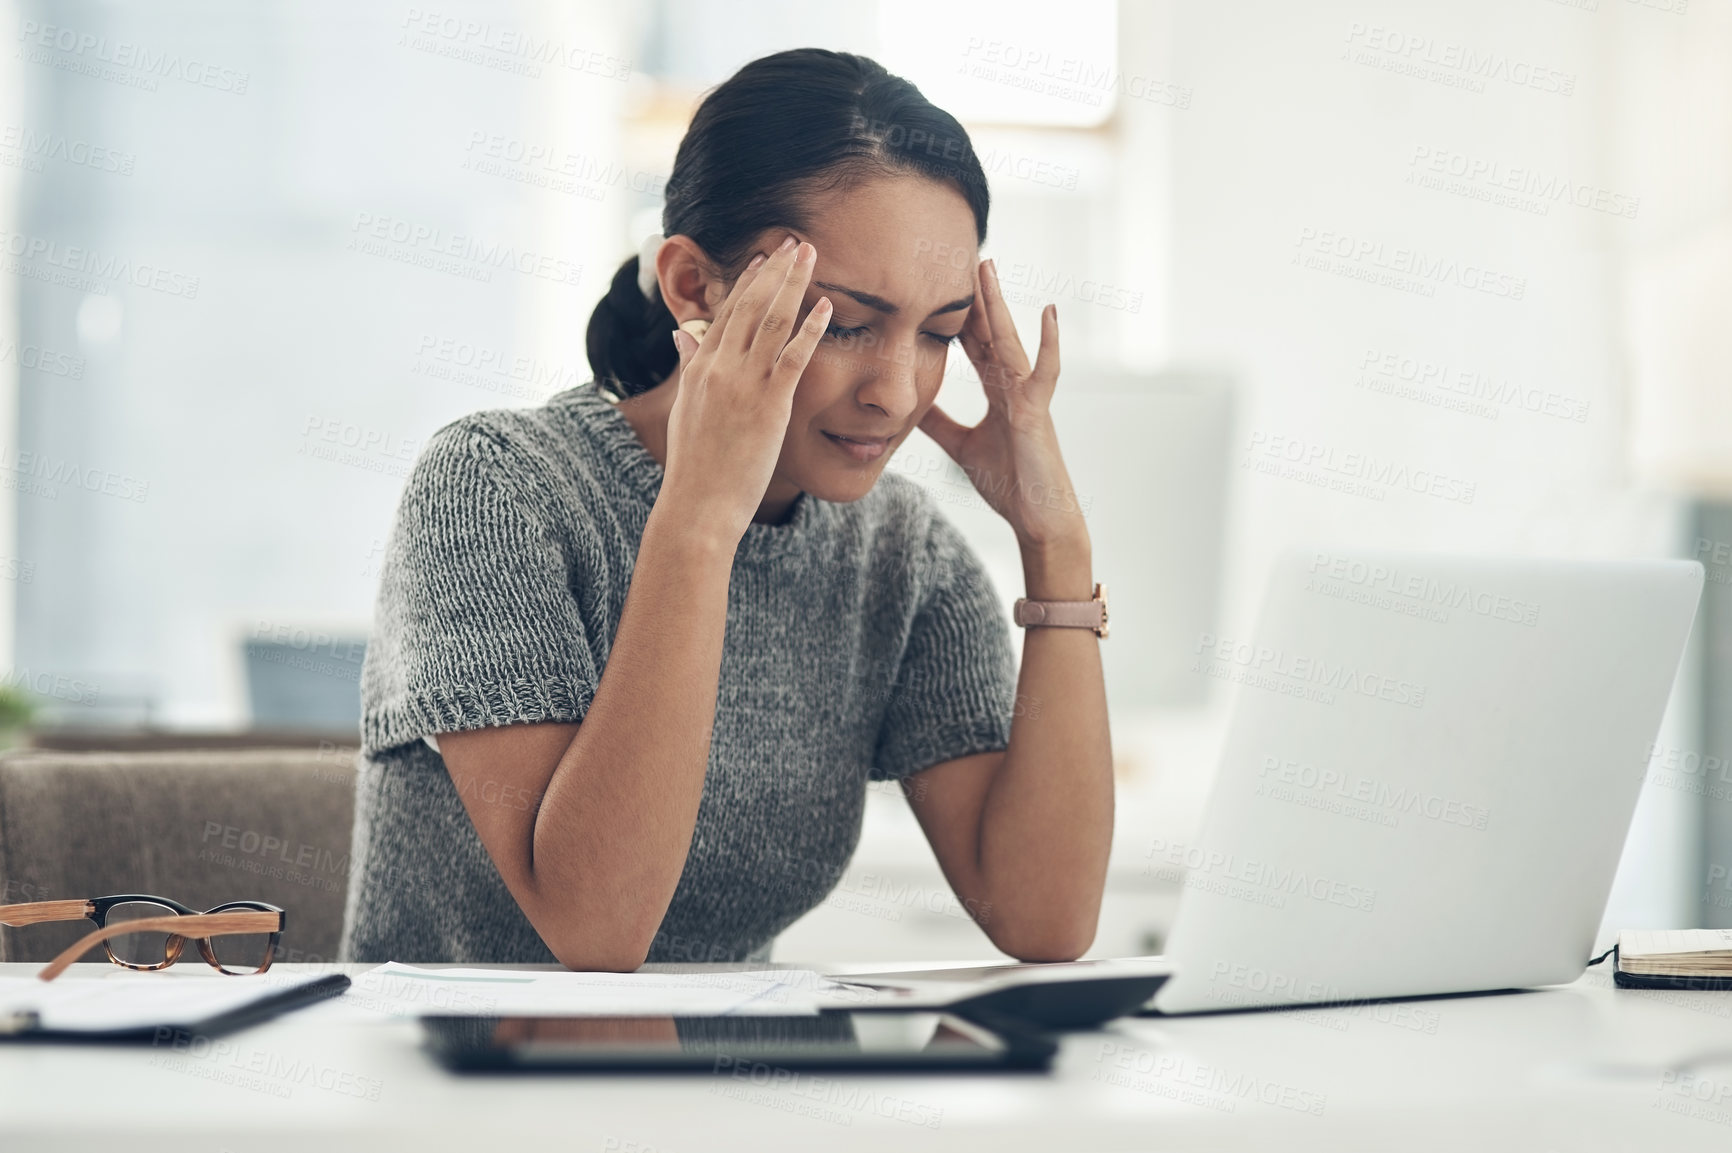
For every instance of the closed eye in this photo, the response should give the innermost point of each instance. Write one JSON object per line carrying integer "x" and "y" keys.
{"x": 860, "y": 330}
{"x": 841, "y": 333}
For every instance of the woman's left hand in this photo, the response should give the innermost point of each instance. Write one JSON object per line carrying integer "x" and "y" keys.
{"x": 1012, "y": 455}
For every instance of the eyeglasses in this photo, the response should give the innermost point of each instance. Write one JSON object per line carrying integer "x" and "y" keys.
{"x": 139, "y": 931}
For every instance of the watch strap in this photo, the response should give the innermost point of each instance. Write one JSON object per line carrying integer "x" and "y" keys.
{"x": 1089, "y": 614}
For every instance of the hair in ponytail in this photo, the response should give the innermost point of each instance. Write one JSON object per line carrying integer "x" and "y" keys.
{"x": 761, "y": 144}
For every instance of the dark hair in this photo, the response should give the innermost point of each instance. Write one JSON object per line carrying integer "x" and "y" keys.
{"x": 762, "y": 143}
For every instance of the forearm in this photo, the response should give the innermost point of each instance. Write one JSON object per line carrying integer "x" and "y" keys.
{"x": 1047, "y": 819}
{"x": 615, "y": 823}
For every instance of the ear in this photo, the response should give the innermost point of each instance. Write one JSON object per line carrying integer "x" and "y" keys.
{"x": 691, "y": 285}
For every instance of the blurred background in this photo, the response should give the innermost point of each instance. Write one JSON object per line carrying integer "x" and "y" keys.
{"x": 1490, "y": 241}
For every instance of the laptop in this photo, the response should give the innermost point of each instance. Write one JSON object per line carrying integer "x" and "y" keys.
{"x": 1429, "y": 774}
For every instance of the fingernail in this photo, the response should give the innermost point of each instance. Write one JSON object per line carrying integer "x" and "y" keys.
{"x": 787, "y": 242}
{"x": 992, "y": 268}
{"x": 756, "y": 260}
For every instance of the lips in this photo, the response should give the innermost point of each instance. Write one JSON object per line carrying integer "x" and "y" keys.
{"x": 859, "y": 448}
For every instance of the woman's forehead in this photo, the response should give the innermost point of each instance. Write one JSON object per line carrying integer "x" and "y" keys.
{"x": 900, "y": 272}
{"x": 904, "y": 215}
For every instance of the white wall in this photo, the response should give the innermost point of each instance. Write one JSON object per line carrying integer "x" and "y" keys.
{"x": 296, "y": 342}
{"x": 1300, "y": 128}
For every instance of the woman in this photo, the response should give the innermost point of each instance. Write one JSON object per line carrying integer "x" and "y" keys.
{"x": 636, "y": 661}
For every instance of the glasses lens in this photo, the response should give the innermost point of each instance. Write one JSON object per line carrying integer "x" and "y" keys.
{"x": 241, "y": 952}
{"x": 145, "y": 947}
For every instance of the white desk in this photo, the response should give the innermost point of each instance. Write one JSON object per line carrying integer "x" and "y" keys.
{"x": 1572, "y": 1069}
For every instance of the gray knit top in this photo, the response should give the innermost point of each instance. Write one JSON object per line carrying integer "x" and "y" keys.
{"x": 864, "y": 642}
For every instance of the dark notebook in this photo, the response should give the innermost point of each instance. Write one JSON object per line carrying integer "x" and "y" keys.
{"x": 1674, "y": 959}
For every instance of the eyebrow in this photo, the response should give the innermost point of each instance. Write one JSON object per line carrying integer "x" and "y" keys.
{"x": 873, "y": 301}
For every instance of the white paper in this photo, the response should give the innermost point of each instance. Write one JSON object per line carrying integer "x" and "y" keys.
{"x": 936, "y": 988}
{"x": 125, "y": 999}
{"x": 394, "y": 990}
{"x": 1662, "y": 942}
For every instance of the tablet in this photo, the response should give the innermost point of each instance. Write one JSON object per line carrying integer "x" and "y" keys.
{"x": 734, "y": 1046}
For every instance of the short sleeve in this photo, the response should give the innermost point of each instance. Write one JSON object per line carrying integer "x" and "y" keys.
{"x": 476, "y": 624}
{"x": 956, "y": 685}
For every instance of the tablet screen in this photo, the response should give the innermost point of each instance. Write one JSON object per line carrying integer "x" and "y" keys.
{"x": 727, "y": 1044}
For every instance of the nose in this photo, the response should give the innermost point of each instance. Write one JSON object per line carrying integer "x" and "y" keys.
{"x": 888, "y": 382}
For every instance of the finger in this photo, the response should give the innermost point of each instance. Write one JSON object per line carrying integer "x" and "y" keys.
{"x": 945, "y": 431}
{"x": 977, "y": 324}
{"x": 777, "y": 324}
{"x": 713, "y": 336}
{"x": 755, "y": 299}
{"x": 996, "y": 380}
{"x": 1004, "y": 338}
{"x": 1043, "y": 377}
{"x": 738, "y": 296}
{"x": 976, "y": 341}
{"x": 685, "y": 344}
{"x": 791, "y": 362}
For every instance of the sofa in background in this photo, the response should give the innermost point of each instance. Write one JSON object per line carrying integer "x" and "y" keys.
{"x": 201, "y": 826}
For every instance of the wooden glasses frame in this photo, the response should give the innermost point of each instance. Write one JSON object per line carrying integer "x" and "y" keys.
{"x": 185, "y": 924}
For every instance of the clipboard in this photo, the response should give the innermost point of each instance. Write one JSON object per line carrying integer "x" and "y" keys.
{"x": 27, "y": 1025}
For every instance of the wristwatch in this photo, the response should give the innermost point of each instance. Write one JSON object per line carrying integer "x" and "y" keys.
{"x": 1089, "y": 614}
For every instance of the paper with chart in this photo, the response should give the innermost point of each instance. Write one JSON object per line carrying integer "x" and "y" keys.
{"x": 395, "y": 990}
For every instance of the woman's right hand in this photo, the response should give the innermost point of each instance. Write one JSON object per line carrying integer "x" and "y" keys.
{"x": 736, "y": 391}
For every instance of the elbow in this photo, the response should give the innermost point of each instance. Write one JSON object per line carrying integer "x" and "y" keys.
{"x": 594, "y": 956}
{"x": 587, "y": 946}
{"x": 598, "y": 961}
{"x": 1038, "y": 950}
{"x": 1047, "y": 940}
{"x": 588, "y": 932}
{"x": 1044, "y": 927}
